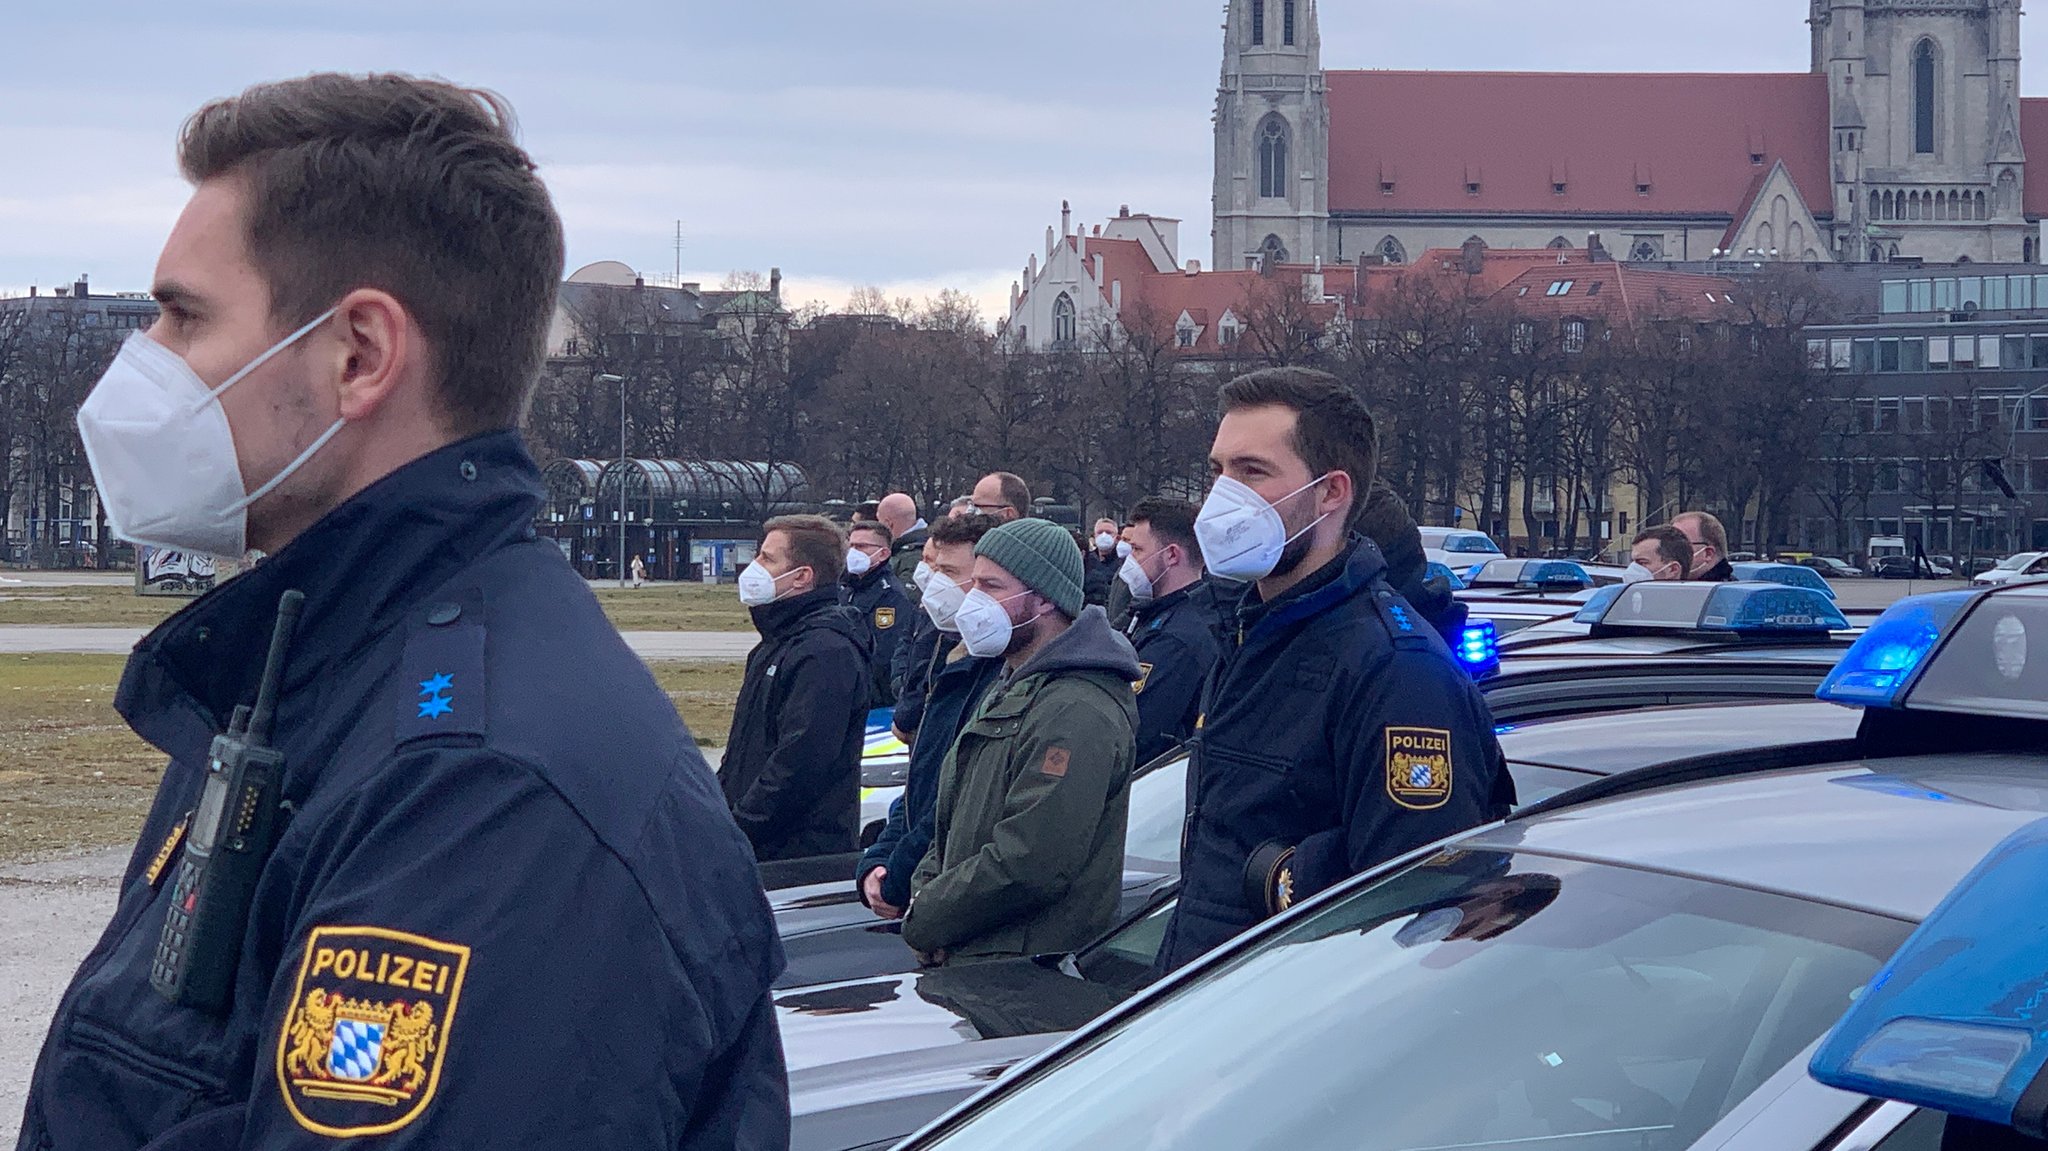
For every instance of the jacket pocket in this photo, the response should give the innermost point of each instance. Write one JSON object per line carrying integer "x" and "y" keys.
{"x": 105, "y": 1043}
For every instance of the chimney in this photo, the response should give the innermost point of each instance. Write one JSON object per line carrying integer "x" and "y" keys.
{"x": 62, "y": 291}
{"x": 1194, "y": 267}
{"x": 1116, "y": 297}
{"x": 639, "y": 282}
{"x": 1031, "y": 269}
{"x": 1016, "y": 297}
{"x": 1098, "y": 267}
{"x": 1066, "y": 219}
{"x": 775, "y": 283}
{"x": 1595, "y": 251}
{"x": 1096, "y": 230}
{"x": 31, "y": 291}
{"x": 1123, "y": 211}
{"x": 1472, "y": 257}
{"x": 1049, "y": 241}
{"x": 79, "y": 290}
{"x": 1081, "y": 246}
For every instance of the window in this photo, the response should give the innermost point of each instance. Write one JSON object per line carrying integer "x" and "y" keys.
{"x": 1913, "y": 354}
{"x": 1184, "y": 334}
{"x": 1970, "y": 290}
{"x": 2020, "y": 291}
{"x": 1065, "y": 327}
{"x": 1922, "y": 295}
{"x": 1937, "y": 352}
{"x": 1892, "y": 299}
{"x": 1391, "y": 252}
{"x": 1987, "y": 351}
{"x": 1227, "y": 332}
{"x": 1817, "y": 354}
{"x": 1913, "y": 414}
{"x": 1994, "y": 293}
{"x": 2037, "y": 413}
{"x": 1923, "y": 98}
{"x": 1287, "y": 22}
{"x": 1258, "y": 22}
{"x": 1273, "y": 158}
{"x": 1471, "y": 187}
{"x": 1557, "y": 187}
{"x": 1964, "y": 351}
{"x": 1560, "y": 288}
{"x": 1887, "y": 415}
{"x": 1642, "y": 188}
{"x": 1863, "y": 359}
{"x": 1944, "y": 295}
{"x": 1524, "y": 339}
{"x": 1594, "y": 288}
{"x": 1386, "y": 187}
{"x": 1887, "y": 355}
{"x": 1646, "y": 249}
{"x": 1575, "y": 336}
{"x": 2039, "y": 359}
{"x": 1838, "y": 355}
{"x": 2014, "y": 355}
{"x": 1887, "y": 477}
{"x": 1273, "y": 251}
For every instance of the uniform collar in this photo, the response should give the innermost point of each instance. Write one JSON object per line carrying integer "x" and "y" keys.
{"x": 866, "y": 579}
{"x": 361, "y": 567}
{"x": 1351, "y": 572}
{"x": 1153, "y": 609}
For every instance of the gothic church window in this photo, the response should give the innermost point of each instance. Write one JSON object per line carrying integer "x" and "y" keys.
{"x": 1391, "y": 252}
{"x": 1065, "y": 329}
{"x": 1273, "y": 251}
{"x": 1273, "y": 158}
{"x": 1258, "y": 22}
{"x": 1559, "y": 243}
{"x": 1646, "y": 249}
{"x": 1287, "y": 23}
{"x": 1923, "y": 98}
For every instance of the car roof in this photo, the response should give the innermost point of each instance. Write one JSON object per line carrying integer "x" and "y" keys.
{"x": 1889, "y": 836}
{"x": 1623, "y": 741}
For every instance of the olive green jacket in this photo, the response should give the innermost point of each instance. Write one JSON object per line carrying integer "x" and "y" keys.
{"x": 1027, "y": 855}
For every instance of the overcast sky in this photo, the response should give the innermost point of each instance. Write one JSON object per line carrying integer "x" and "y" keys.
{"x": 914, "y": 144}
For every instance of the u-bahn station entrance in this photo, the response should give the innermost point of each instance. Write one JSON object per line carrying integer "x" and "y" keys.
{"x": 688, "y": 520}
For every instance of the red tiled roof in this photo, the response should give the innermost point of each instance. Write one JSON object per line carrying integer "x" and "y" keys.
{"x": 1620, "y": 294}
{"x": 1517, "y": 134}
{"x": 1206, "y": 296}
{"x": 1121, "y": 260}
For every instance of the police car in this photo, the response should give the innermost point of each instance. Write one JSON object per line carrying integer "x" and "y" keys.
{"x": 1648, "y": 656}
{"x": 1457, "y": 548}
{"x": 1653, "y": 963}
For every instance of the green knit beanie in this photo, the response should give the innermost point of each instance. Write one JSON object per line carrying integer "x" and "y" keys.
{"x": 1043, "y": 557}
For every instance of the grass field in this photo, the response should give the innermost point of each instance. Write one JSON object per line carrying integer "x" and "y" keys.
{"x": 667, "y": 607}
{"x": 73, "y": 776}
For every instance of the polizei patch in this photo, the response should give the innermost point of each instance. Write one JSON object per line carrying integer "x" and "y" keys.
{"x": 1419, "y": 767}
{"x": 367, "y": 1030}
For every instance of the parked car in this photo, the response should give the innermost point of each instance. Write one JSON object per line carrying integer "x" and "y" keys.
{"x": 1457, "y": 548}
{"x": 2025, "y": 565}
{"x": 1909, "y": 567}
{"x": 1831, "y": 567}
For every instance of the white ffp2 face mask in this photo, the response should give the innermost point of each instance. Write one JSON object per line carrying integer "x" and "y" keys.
{"x": 1134, "y": 577}
{"x": 985, "y": 625}
{"x": 857, "y": 562}
{"x": 758, "y": 585}
{"x": 163, "y": 455}
{"x": 942, "y": 600}
{"x": 1243, "y": 536}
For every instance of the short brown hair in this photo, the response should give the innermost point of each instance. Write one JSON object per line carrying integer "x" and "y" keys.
{"x": 1712, "y": 533}
{"x": 1173, "y": 521}
{"x": 955, "y": 530}
{"x": 1672, "y": 546}
{"x": 814, "y": 542}
{"x": 414, "y": 187}
{"x": 871, "y": 527}
{"x": 1016, "y": 493}
{"x": 1333, "y": 431}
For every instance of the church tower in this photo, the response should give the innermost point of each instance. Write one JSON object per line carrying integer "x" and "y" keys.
{"x": 1272, "y": 196}
{"x": 1937, "y": 169}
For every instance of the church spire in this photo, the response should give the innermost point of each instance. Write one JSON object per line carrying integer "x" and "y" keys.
{"x": 1271, "y": 198}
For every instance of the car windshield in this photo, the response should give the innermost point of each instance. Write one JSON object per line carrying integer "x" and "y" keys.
{"x": 1531, "y": 1001}
{"x": 2015, "y": 563}
{"x": 1473, "y": 544}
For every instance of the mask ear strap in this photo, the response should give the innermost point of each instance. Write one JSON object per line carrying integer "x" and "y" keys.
{"x": 289, "y": 468}
{"x": 274, "y": 349}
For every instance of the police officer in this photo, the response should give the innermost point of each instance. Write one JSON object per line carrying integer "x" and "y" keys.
{"x": 1337, "y": 730}
{"x": 907, "y": 533}
{"x": 1174, "y": 624}
{"x": 872, "y": 591}
{"x": 495, "y": 843}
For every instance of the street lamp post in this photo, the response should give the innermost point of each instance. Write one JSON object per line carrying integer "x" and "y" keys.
{"x": 621, "y": 382}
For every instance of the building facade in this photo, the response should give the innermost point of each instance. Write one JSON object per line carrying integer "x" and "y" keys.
{"x": 1907, "y": 138}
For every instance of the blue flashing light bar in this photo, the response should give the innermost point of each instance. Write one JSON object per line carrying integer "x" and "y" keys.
{"x": 1752, "y": 607}
{"x": 1596, "y": 608}
{"x": 1436, "y": 570}
{"x": 1478, "y": 649}
{"x": 1791, "y": 575}
{"x": 1882, "y": 663}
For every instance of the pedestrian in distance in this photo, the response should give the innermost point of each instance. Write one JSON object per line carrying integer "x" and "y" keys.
{"x": 639, "y": 571}
{"x": 1102, "y": 560}
{"x": 792, "y": 765}
{"x": 1034, "y": 797}
{"x": 1337, "y": 730}
{"x": 413, "y": 768}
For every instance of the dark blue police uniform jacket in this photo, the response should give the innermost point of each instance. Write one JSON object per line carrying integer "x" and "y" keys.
{"x": 1336, "y": 724}
{"x": 888, "y": 614}
{"x": 1178, "y": 639}
{"x": 957, "y": 688}
{"x": 508, "y": 909}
